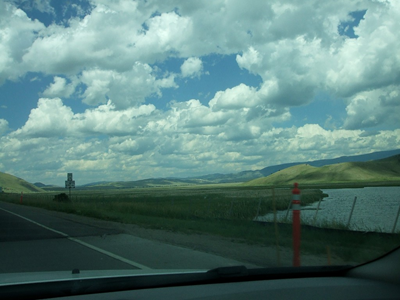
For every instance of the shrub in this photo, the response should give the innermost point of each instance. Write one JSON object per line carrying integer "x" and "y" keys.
{"x": 63, "y": 197}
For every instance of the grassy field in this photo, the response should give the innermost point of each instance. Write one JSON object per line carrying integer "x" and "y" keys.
{"x": 222, "y": 211}
{"x": 12, "y": 184}
{"x": 372, "y": 173}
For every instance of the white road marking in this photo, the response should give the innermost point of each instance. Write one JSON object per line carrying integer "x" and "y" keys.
{"x": 115, "y": 256}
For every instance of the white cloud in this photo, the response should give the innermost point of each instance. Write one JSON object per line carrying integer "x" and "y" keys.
{"x": 53, "y": 119}
{"x": 153, "y": 154}
{"x": 60, "y": 88}
{"x": 192, "y": 67}
{"x": 371, "y": 61}
{"x": 120, "y": 54}
{"x": 299, "y": 54}
{"x": 250, "y": 59}
{"x": 238, "y": 97}
{"x": 135, "y": 146}
{"x": 374, "y": 108}
{"x": 17, "y": 32}
{"x": 50, "y": 118}
{"x": 40, "y": 5}
{"x": 3, "y": 126}
{"x": 166, "y": 33}
{"x": 106, "y": 120}
{"x": 111, "y": 37}
{"x": 124, "y": 89}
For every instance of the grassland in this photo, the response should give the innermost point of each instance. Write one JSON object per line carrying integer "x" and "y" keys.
{"x": 378, "y": 172}
{"x": 12, "y": 184}
{"x": 226, "y": 211}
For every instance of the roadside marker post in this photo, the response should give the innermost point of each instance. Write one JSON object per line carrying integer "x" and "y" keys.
{"x": 20, "y": 199}
{"x": 69, "y": 183}
{"x": 351, "y": 212}
{"x": 397, "y": 218}
{"x": 296, "y": 225}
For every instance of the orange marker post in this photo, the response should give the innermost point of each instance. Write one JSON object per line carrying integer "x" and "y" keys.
{"x": 296, "y": 225}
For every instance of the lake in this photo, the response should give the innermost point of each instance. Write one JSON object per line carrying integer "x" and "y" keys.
{"x": 375, "y": 209}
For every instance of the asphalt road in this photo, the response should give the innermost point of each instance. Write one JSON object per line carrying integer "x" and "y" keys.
{"x": 36, "y": 240}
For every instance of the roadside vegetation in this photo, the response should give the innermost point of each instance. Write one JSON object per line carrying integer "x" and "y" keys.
{"x": 221, "y": 211}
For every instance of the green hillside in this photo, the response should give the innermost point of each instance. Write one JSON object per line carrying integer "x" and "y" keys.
{"x": 377, "y": 171}
{"x": 12, "y": 184}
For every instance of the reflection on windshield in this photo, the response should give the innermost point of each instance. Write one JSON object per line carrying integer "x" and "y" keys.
{"x": 143, "y": 135}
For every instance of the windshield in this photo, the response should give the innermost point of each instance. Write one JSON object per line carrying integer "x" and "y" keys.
{"x": 191, "y": 135}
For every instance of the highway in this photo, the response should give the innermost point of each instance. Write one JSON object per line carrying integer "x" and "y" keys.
{"x": 37, "y": 240}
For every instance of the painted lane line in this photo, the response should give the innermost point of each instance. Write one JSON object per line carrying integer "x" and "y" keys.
{"x": 112, "y": 255}
{"x": 120, "y": 258}
{"x": 36, "y": 223}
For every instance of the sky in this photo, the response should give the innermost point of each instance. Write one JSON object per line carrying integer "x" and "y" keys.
{"x": 128, "y": 90}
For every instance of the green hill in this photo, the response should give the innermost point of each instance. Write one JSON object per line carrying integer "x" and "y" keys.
{"x": 377, "y": 171}
{"x": 12, "y": 184}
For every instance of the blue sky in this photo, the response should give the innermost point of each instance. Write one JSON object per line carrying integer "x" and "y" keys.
{"x": 128, "y": 90}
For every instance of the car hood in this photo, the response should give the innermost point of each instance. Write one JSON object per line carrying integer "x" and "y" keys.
{"x": 57, "y": 276}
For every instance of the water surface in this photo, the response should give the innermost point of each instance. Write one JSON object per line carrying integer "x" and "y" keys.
{"x": 375, "y": 209}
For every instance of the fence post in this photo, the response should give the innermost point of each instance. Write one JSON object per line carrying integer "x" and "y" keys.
{"x": 20, "y": 199}
{"x": 296, "y": 225}
{"x": 395, "y": 222}
{"x": 278, "y": 254}
{"x": 316, "y": 213}
{"x": 287, "y": 211}
{"x": 351, "y": 212}
{"x": 258, "y": 209}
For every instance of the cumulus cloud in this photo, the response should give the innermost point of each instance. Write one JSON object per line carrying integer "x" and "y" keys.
{"x": 17, "y": 33}
{"x": 192, "y": 67}
{"x": 300, "y": 60}
{"x": 253, "y": 103}
{"x": 371, "y": 60}
{"x": 118, "y": 55}
{"x": 60, "y": 88}
{"x": 3, "y": 126}
{"x": 50, "y": 118}
{"x": 374, "y": 108}
{"x": 40, "y": 5}
{"x": 250, "y": 59}
{"x": 106, "y": 120}
{"x": 292, "y": 70}
{"x": 111, "y": 37}
{"x": 133, "y": 146}
{"x": 123, "y": 89}
{"x": 237, "y": 97}
{"x": 140, "y": 156}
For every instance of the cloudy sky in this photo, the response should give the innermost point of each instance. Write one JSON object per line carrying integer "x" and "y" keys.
{"x": 128, "y": 90}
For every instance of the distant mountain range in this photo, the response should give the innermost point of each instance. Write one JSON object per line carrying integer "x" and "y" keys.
{"x": 243, "y": 176}
{"x": 249, "y": 175}
{"x": 353, "y": 172}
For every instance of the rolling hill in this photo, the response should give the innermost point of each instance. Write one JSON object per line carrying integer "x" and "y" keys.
{"x": 358, "y": 168}
{"x": 232, "y": 178}
{"x": 249, "y": 175}
{"x": 12, "y": 184}
{"x": 377, "y": 171}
